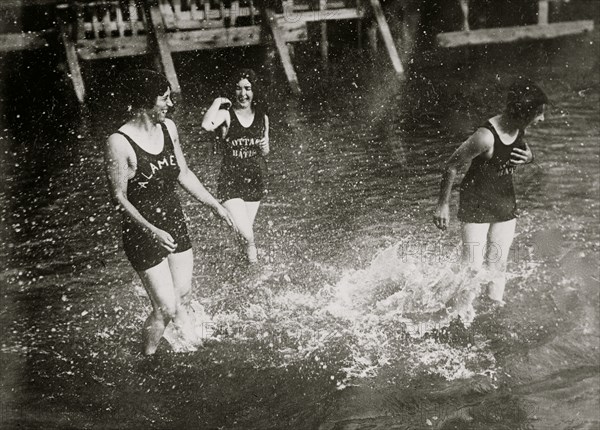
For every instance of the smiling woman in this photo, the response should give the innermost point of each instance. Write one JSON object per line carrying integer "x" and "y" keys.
{"x": 144, "y": 163}
{"x": 246, "y": 136}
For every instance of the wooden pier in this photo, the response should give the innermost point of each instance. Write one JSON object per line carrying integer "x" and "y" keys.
{"x": 542, "y": 30}
{"x": 12, "y": 36}
{"x": 102, "y": 29}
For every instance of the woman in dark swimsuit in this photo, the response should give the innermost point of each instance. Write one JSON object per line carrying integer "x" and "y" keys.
{"x": 246, "y": 143}
{"x": 144, "y": 163}
{"x": 487, "y": 197}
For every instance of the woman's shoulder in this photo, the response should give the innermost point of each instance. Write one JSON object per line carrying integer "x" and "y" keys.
{"x": 118, "y": 145}
{"x": 489, "y": 124}
{"x": 483, "y": 137}
{"x": 119, "y": 137}
{"x": 170, "y": 125}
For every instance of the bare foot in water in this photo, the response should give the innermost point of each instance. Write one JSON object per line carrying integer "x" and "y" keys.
{"x": 252, "y": 254}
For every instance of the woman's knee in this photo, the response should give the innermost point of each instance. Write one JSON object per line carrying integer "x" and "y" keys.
{"x": 496, "y": 255}
{"x": 472, "y": 254}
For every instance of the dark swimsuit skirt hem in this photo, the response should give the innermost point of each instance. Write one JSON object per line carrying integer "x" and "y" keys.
{"x": 141, "y": 265}
{"x": 472, "y": 218}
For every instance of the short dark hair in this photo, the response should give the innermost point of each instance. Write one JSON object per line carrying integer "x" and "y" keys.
{"x": 141, "y": 88}
{"x": 524, "y": 98}
{"x": 252, "y": 78}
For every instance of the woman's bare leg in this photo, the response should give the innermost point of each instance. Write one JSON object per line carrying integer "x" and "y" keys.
{"x": 500, "y": 238}
{"x": 159, "y": 285}
{"x": 474, "y": 238}
{"x": 252, "y": 210}
{"x": 181, "y": 265}
{"x": 239, "y": 212}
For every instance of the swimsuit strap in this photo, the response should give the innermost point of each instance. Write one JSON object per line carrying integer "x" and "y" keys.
{"x": 166, "y": 138}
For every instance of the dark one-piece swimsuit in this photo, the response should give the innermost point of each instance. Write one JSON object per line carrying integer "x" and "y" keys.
{"x": 243, "y": 166}
{"x": 487, "y": 193}
{"x": 152, "y": 191}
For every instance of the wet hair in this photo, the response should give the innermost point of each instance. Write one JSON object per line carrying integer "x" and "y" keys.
{"x": 140, "y": 88}
{"x": 252, "y": 78}
{"x": 524, "y": 99}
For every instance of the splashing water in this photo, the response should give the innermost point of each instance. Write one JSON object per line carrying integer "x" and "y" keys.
{"x": 378, "y": 315}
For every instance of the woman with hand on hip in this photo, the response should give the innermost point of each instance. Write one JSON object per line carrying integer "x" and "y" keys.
{"x": 144, "y": 164}
{"x": 487, "y": 196}
{"x": 246, "y": 143}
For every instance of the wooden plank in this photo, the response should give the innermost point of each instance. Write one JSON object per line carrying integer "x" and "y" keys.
{"x": 177, "y": 9}
{"x": 205, "y": 9}
{"x": 133, "y": 18}
{"x": 157, "y": 39}
{"x": 98, "y": 49}
{"x": 206, "y": 5}
{"x": 95, "y": 24}
{"x": 214, "y": 38}
{"x": 234, "y": 12}
{"x": 214, "y": 19}
{"x": 513, "y": 34}
{"x": 181, "y": 13}
{"x": 80, "y": 30}
{"x": 302, "y": 7}
{"x": 199, "y": 25}
{"x": 326, "y": 15}
{"x": 10, "y": 4}
{"x": 293, "y": 31}
{"x": 167, "y": 14}
{"x": 120, "y": 22}
{"x": 22, "y": 41}
{"x": 222, "y": 11}
{"x": 252, "y": 12}
{"x": 386, "y": 36}
{"x": 288, "y": 8}
{"x": 195, "y": 12}
{"x": 284, "y": 55}
{"x": 107, "y": 25}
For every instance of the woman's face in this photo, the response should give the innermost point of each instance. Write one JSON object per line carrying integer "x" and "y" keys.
{"x": 243, "y": 93}
{"x": 161, "y": 107}
{"x": 537, "y": 116}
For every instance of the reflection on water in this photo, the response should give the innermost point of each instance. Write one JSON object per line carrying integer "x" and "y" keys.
{"x": 357, "y": 317}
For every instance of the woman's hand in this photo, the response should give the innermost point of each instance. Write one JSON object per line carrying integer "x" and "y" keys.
{"x": 225, "y": 215}
{"x": 164, "y": 239}
{"x": 223, "y": 102}
{"x": 441, "y": 217}
{"x": 520, "y": 156}
{"x": 263, "y": 144}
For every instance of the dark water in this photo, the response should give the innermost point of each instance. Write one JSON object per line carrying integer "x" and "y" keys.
{"x": 343, "y": 326}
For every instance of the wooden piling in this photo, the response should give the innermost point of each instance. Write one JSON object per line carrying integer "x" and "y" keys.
{"x": 386, "y": 37}
{"x": 68, "y": 33}
{"x": 284, "y": 54}
{"x": 464, "y": 6}
{"x": 324, "y": 43}
{"x": 543, "y": 12}
{"x": 158, "y": 40}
